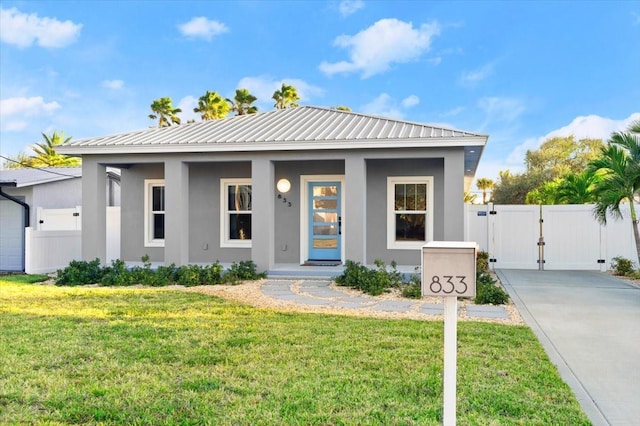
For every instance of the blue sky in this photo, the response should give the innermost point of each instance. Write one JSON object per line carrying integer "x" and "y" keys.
{"x": 517, "y": 71}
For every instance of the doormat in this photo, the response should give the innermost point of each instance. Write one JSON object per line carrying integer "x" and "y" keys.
{"x": 322, "y": 263}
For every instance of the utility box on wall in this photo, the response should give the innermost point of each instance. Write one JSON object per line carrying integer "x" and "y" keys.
{"x": 449, "y": 268}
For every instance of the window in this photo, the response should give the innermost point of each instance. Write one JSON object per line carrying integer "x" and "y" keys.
{"x": 235, "y": 206}
{"x": 409, "y": 211}
{"x": 154, "y": 212}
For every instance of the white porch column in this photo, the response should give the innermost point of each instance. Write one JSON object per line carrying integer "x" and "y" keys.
{"x": 94, "y": 210}
{"x": 453, "y": 195}
{"x": 263, "y": 213}
{"x": 354, "y": 220}
{"x": 176, "y": 226}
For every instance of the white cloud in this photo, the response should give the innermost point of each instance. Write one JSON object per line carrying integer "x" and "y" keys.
{"x": 23, "y": 30}
{"x": 453, "y": 112}
{"x": 187, "y": 104}
{"x": 26, "y": 106}
{"x": 263, "y": 87}
{"x": 501, "y": 109}
{"x": 201, "y": 27}
{"x": 583, "y": 127}
{"x": 14, "y": 126}
{"x": 471, "y": 78}
{"x": 410, "y": 101}
{"x": 383, "y": 105}
{"x": 388, "y": 41}
{"x": 113, "y": 84}
{"x": 348, "y": 7}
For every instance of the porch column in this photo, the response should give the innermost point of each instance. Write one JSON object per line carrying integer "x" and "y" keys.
{"x": 94, "y": 210}
{"x": 453, "y": 195}
{"x": 263, "y": 213}
{"x": 354, "y": 221}
{"x": 176, "y": 226}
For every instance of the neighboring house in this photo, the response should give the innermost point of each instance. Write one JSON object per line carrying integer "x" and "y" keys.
{"x": 292, "y": 186}
{"x": 26, "y": 190}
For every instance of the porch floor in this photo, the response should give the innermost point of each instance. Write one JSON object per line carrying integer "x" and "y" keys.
{"x": 297, "y": 271}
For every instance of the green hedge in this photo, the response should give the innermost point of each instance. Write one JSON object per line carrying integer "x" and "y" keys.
{"x": 117, "y": 274}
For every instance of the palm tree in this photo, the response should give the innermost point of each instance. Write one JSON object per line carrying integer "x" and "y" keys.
{"x": 619, "y": 170}
{"x": 46, "y": 155}
{"x": 286, "y": 97}
{"x": 164, "y": 112}
{"x": 484, "y": 184}
{"x": 577, "y": 189}
{"x": 241, "y": 103}
{"x": 212, "y": 106}
{"x": 469, "y": 197}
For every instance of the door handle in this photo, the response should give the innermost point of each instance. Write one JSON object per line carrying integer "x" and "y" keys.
{"x": 339, "y": 225}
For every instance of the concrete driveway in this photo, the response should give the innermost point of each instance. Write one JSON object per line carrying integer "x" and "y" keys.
{"x": 589, "y": 324}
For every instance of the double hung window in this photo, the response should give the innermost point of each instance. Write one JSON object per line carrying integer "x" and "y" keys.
{"x": 235, "y": 206}
{"x": 154, "y": 212}
{"x": 409, "y": 211}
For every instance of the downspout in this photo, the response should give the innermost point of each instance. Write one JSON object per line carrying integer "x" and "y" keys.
{"x": 26, "y": 207}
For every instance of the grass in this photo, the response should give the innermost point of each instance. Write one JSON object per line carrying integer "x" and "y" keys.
{"x": 154, "y": 356}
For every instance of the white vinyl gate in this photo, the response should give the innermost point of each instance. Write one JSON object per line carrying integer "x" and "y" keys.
{"x": 572, "y": 237}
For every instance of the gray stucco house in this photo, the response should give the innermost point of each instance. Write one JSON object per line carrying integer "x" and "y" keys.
{"x": 285, "y": 187}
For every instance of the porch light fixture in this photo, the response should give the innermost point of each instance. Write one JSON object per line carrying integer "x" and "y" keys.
{"x": 283, "y": 185}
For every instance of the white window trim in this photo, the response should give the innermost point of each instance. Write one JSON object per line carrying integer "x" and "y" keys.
{"x": 392, "y": 244}
{"x": 225, "y": 242}
{"x": 148, "y": 223}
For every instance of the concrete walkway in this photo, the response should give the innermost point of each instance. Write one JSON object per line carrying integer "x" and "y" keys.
{"x": 589, "y": 324}
{"x": 318, "y": 293}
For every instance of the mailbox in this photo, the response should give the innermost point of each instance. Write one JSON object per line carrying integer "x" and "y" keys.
{"x": 449, "y": 268}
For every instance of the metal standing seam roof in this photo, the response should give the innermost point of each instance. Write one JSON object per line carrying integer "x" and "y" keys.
{"x": 296, "y": 126}
{"x": 24, "y": 177}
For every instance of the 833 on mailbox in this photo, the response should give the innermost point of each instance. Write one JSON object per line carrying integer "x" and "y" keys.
{"x": 449, "y": 268}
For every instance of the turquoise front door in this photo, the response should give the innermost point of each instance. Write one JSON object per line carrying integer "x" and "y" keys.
{"x": 325, "y": 221}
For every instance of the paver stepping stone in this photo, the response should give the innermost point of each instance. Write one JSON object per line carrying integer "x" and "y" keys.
{"x": 487, "y": 311}
{"x": 323, "y": 292}
{"x": 315, "y": 283}
{"x": 431, "y": 309}
{"x": 393, "y": 306}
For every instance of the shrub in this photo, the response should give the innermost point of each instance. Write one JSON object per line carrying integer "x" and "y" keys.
{"x": 80, "y": 272}
{"x": 621, "y": 266}
{"x": 370, "y": 281}
{"x": 117, "y": 274}
{"x": 488, "y": 292}
{"x": 482, "y": 262}
{"x": 242, "y": 271}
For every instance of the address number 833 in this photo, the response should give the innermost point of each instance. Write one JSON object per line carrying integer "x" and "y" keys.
{"x": 448, "y": 284}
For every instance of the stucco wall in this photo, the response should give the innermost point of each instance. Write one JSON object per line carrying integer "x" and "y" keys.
{"x": 377, "y": 172}
{"x": 204, "y": 212}
{"x": 132, "y": 212}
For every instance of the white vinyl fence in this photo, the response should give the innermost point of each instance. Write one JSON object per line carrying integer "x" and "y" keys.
{"x": 570, "y": 236}
{"x": 57, "y": 239}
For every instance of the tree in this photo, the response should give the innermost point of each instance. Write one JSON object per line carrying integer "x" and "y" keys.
{"x": 19, "y": 161}
{"x": 546, "y": 193}
{"x": 513, "y": 188}
{"x": 619, "y": 171}
{"x": 577, "y": 188}
{"x": 343, "y": 108}
{"x": 286, "y": 97}
{"x": 556, "y": 158}
{"x": 46, "y": 155}
{"x": 560, "y": 156}
{"x": 164, "y": 112}
{"x": 484, "y": 184}
{"x": 469, "y": 197}
{"x": 241, "y": 103}
{"x": 212, "y": 106}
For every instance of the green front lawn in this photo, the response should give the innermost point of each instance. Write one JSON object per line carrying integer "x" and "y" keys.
{"x": 156, "y": 356}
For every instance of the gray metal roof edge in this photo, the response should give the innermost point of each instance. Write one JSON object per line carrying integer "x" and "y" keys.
{"x": 45, "y": 175}
{"x": 440, "y": 142}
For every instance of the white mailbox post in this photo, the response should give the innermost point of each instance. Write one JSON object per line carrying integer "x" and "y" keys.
{"x": 449, "y": 270}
